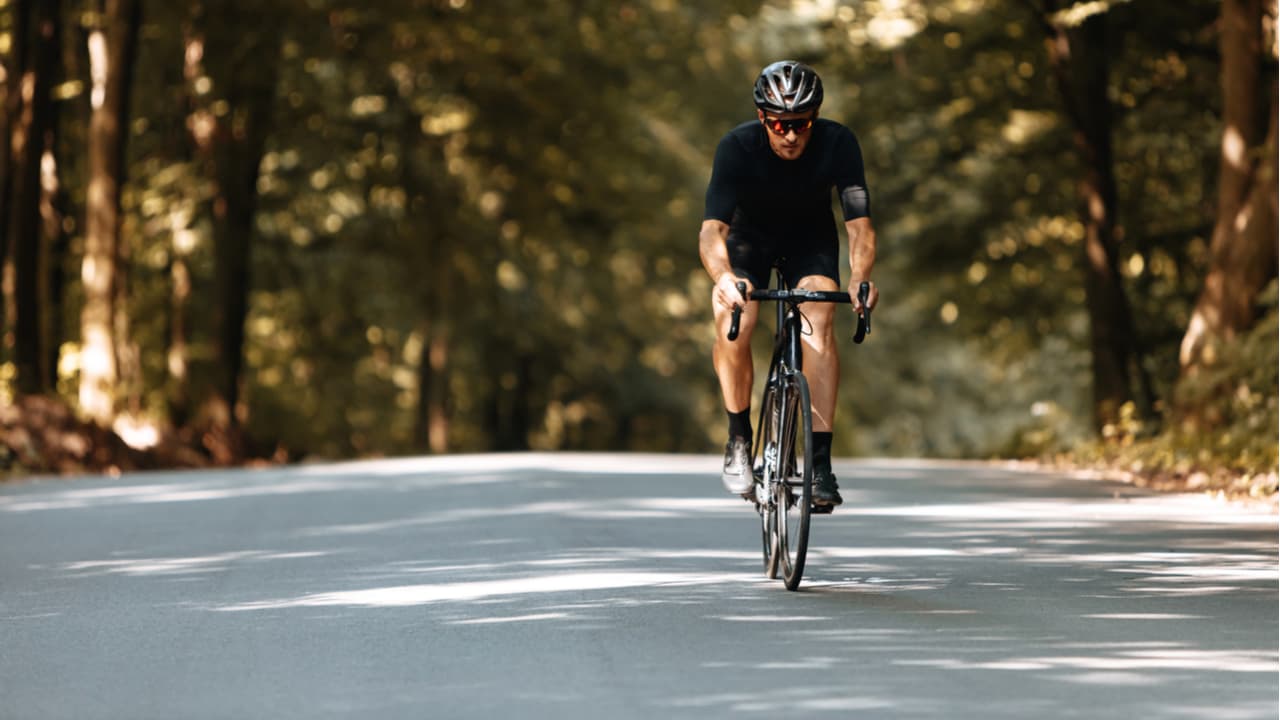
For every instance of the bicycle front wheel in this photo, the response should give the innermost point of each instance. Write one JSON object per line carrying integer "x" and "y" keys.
{"x": 793, "y": 495}
{"x": 765, "y": 451}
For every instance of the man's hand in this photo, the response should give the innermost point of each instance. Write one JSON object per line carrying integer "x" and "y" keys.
{"x": 873, "y": 297}
{"x": 726, "y": 293}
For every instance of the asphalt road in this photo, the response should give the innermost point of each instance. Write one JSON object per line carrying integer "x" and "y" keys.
{"x": 612, "y": 586}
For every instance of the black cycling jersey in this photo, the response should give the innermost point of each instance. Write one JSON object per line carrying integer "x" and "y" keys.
{"x": 754, "y": 190}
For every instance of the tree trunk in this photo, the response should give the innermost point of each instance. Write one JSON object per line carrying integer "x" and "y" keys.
{"x": 110, "y": 46}
{"x": 432, "y": 416}
{"x": 508, "y": 423}
{"x": 247, "y": 77}
{"x": 128, "y": 354}
{"x": 29, "y": 138}
{"x": 15, "y": 64}
{"x": 177, "y": 357}
{"x": 431, "y": 426}
{"x": 188, "y": 141}
{"x": 1078, "y": 56}
{"x": 1243, "y": 248}
{"x": 57, "y": 245}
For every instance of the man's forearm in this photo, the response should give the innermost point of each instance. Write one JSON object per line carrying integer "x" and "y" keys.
{"x": 713, "y": 249}
{"x": 862, "y": 248}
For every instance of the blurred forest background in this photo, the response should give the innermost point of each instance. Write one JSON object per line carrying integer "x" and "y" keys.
{"x": 326, "y": 228}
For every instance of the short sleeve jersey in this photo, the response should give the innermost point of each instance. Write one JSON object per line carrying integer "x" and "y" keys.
{"x": 754, "y": 190}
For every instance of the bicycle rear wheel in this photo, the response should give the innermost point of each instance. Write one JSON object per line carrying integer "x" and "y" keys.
{"x": 793, "y": 496}
{"x": 764, "y": 452}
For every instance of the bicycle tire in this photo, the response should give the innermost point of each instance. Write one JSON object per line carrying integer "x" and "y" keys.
{"x": 794, "y": 496}
{"x": 769, "y": 437}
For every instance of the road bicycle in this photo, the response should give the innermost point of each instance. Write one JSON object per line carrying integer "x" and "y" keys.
{"x": 782, "y": 455}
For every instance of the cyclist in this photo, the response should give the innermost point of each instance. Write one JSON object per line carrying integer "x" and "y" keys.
{"x": 769, "y": 204}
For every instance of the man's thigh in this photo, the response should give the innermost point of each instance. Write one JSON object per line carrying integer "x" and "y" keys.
{"x": 751, "y": 255}
{"x": 814, "y": 266}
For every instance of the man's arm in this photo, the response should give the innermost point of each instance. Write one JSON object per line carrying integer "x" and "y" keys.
{"x": 714, "y": 250}
{"x": 862, "y": 257}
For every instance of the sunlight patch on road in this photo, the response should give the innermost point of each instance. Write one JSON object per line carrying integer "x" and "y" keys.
{"x": 795, "y": 699}
{"x": 610, "y": 508}
{"x": 1178, "y": 508}
{"x": 188, "y": 491}
{"x": 511, "y": 619}
{"x": 769, "y": 618}
{"x": 1184, "y": 591}
{"x": 1203, "y": 573}
{"x": 1144, "y": 616}
{"x": 31, "y": 616}
{"x": 139, "y": 567}
{"x": 807, "y": 663}
{"x": 1119, "y": 679}
{"x": 911, "y": 552}
{"x": 408, "y": 595}
{"x": 944, "y": 612}
{"x": 603, "y": 463}
{"x": 1186, "y": 573}
{"x": 1239, "y": 661}
{"x": 633, "y": 553}
{"x": 404, "y": 474}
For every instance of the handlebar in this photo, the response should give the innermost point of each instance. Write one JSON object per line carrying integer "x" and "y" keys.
{"x": 799, "y": 295}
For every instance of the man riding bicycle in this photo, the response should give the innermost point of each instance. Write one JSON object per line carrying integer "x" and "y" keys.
{"x": 769, "y": 205}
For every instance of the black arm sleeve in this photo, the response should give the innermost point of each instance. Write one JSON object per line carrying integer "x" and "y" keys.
{"x": 851, "y": 178}
{"x": 856, "y": 202}
{"x": 722, "y": 194}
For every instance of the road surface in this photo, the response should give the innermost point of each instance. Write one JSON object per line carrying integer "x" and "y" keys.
{"x": 627, "y": 586}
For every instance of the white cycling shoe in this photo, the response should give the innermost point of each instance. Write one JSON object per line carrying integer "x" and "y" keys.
{"x": 737, "y": 466}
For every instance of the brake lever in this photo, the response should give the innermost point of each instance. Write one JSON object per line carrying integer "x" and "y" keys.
{"x": 737, "y": 313}
{"x": 864, "y": 317}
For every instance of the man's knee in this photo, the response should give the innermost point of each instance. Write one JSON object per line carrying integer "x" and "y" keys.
{"x": 818, "y": 282}
{"x": 738, "y": 348}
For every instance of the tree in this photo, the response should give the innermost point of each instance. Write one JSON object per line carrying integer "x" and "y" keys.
{"x": 1078, "y": 52}
{"x": 31, "y": 134}
{"x": 11, "y": 65}
{"x": 1243, "y": 247}
{"x": 112, "y": 46}
{"x": 188, "y": 135}
{"x": 243, "y": 71}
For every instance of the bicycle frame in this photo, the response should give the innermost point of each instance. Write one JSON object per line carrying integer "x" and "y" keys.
{"x": 788, "y": 355}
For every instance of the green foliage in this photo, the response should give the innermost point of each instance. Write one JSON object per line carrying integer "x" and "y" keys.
{"x": 1234, "y": 400}
{"x": 520, "y": 186}
{"x": 1223, "y": 435}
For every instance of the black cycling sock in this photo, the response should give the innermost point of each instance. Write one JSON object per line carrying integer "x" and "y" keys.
{"x": 740, "y": 423}
{"x": 822, "y": 451}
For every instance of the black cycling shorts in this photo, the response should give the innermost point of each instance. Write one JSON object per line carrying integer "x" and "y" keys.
{"x": 753, "y": 256}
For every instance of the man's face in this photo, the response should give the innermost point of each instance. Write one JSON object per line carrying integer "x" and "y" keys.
{"x": 788, "y": 133}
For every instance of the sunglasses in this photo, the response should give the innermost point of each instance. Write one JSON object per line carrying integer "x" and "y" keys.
{"x": 779, "y": 126}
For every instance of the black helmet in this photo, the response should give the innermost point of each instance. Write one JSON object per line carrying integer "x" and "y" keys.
{"x": 788, "y": 86}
